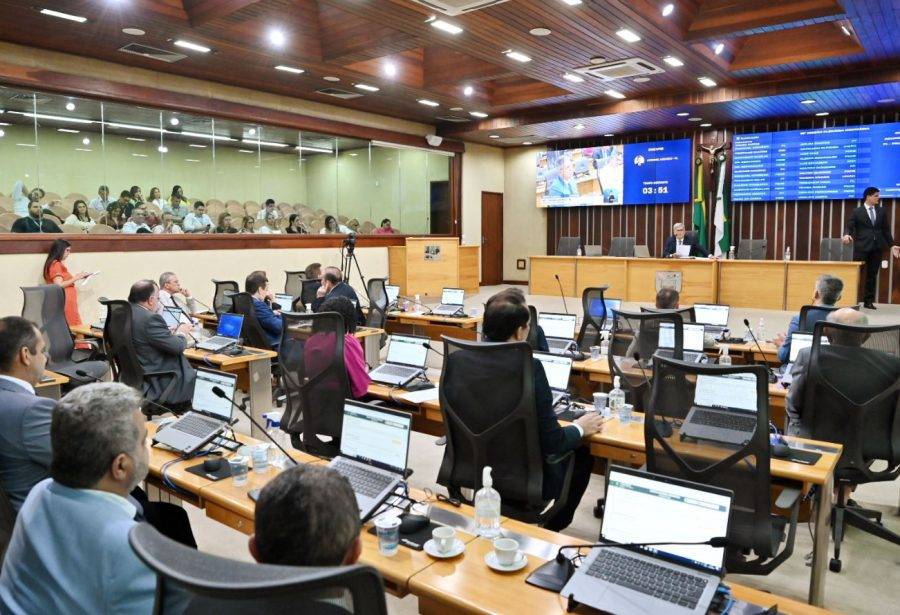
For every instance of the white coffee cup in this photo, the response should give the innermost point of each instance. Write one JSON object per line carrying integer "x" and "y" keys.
{"x": 506, "y": 550}
{"x": 443, "y": 538}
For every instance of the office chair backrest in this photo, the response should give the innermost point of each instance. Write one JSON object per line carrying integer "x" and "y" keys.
{"x": 568, "y": 246}
{"x": 593, "y": 319}
{"x": 593, "y": 250}
{"x": 222, "y": 295}
{"x": 687, "y": 314}
{"x": 192, "y": 581}
{"x": 752, "y": 249}
{"x": 7, "y": 522}
{"x": 852, "y": 397}
{"x": 378, "y": 303}
{"x": 487, "y": 403}
{"x": 811, "y": 314}
{"x": 293, "y": 282}
{"x": 119, "y": 344}
{"x": 532, "y": 339}
{"x": 308, "y": 290}
{"x": 251, "y": 331}
{"x": 314, "y": 378}
{"x": 834, "y": 249}
{"x": 744, "y": 469}
{"x": 622, "y": 246}
{"x": 45, "y": 306}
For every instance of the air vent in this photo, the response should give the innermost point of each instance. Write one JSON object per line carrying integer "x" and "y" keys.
{"x": 152, "y": 52}
{"x": 620, "y": 69}
{"x": 338, "y": 93}
{"x": 452, "y": 118}
{"x": 457, "y": 7}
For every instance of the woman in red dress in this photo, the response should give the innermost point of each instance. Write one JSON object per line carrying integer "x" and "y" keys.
{"x": 56, "y": 272}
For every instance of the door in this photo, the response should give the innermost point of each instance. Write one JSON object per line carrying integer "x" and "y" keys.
{"x": 491, "y": 238}
{"x": 441, "y": 217}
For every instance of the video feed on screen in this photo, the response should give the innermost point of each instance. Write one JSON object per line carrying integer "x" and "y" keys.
{"x": 578, "y": 177}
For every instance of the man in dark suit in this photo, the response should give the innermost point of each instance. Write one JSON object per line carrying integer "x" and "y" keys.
{"x": 35, "y": 222}
{"x": 869, "y": 230}
{"x": 257, "y": 286}
{"x": 158, "y": 349}
{"x": 333, "y": 285}
{"x": 506, "y": 320}
{"x": 680, "y": 238}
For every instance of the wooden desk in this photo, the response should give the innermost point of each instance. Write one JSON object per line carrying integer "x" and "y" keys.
{"x": 433, "y": 327}
{"x": 51, "y": 389}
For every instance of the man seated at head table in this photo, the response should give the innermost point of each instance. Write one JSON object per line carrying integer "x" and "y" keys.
{"x": 69, "y": 550}
{"x": 257, "y": 285}
{"x": 333, "y": 285}
{"x": 860, "y": 373}
{"x": 35, "y": 221}
{"x": 826, "y": 293}
{"x": 507, "y": 321}
{"x": 680, "y": 238}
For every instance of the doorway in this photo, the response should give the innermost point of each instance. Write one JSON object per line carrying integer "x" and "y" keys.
{"x": 491, "y": 238}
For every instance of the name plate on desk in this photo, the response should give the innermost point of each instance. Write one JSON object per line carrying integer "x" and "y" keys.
{"x": 668, "y": 279}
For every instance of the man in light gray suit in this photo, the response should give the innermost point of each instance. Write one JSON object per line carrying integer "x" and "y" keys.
{"x": 158, "y": 349}
{"x": 24, "y": 417}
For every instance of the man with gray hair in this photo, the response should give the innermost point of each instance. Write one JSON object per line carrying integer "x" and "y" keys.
{"x": 169, "y": 286}
{"x": 827, "y": 293}
{"x": 680, "y": 239}
{"x": 333, "y": 285}
{"x": 69, "y": 551}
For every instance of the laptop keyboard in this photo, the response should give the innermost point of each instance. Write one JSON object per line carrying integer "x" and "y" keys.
{"x": 681, "y": 588}
{"x": 724, "y": 420}
{"x": 558, "y": 344}
{"x": 363, "y": 480}
{"x": 196, "y": 425}
{"x": 395, "y": 370}
{"x": 217, "y": 340}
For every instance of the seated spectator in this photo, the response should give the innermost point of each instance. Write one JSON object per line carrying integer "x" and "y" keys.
{"x": 69, "y": 551}
{"x": 138, "y": 223}
{"x": 179, "y": 192}
{"x": 257, "y": 285}
{"x": 247, "y": 223}
{"x": 333, "y": 285}
{"x": 79, "y": 216}
{"x": 101, "y": 202}
{"x": 827, "y": 293}
{"x": 197, "y": 221}
{"x": 169, "y": 287}
{"x": 354, "y": 356}
{"x": 267, "y": 210}
{"x": 167, "y": 225}
{"x": 307, "y": 516}
{"x": 156, "y": 198}
{"x": 158, "y": 349}
{"x": 136, "y": 197}
{"x": 313, "y": 272}
{"x": 332, "y": 226}
{"x": 114, "y": 217}
{"x": 295, "y": 225}
{"x": 124, "y": 202}
{"x": 35, "y": 222}
{"x": 177, "y": 207}
{"x": 353, "y": 225}
{"x": 224, "y": 226}
{"x": 151, "y": 218}
{"x": 20, "y": 198}
{"x": 270, "y": 227}
{"x": 385, "y": 228}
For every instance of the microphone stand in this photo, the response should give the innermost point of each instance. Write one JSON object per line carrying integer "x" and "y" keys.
{"x": 218, "y": 392}
{"x": 772, "y": 377}
{"x": 428, "y": 309}
{"x": 561, "y": 293}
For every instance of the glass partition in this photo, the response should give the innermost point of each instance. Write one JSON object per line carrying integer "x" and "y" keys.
{"x": 57, "y": 150}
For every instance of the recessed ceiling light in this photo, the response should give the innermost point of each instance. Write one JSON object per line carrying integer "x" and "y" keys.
{"x": 445, "y": 26}
{"x": 366, "y": 87}
{"x": 83, "y": 149}
{"x": 478, "y": 114}
{"x": 69, "y": 130}
{"x": 695, "y": 119}
{"x": 265, "y": 143}
{"x": 573, "y": 78}
{"x": 885, "y": 100}
{"x": 614, "y": 94}
{"x": 822, "y": 113}
{"x": 628, "y": 36}
{"x": 572, "y": 2}
{"x": 807, "y": 101}
{"x": 197, "y": 145}
{"x": 54, "y": 118}
{"x": 354, "y": 154}
{"x": 70, "y": 106}
{"x": 246, "y": 151}
{"x": 683, "y": 114}
{"x": 139, "y": 155}
{"x": 494, "y": 136}
{"x": 26, "y": 144}
{"x": 390, "y": 69}
{"x": 134, "y": 139}
{"x": 174, "y": 121}
{"x": 251, "y": 131}
{"x": 276, "y": 37}
{"x": 597, "y": 60}
{"x": 707, "y": 82}
{"x": 540, "y": 32}
{"x": 846, "y": 30}
{"x": 641, "y": 79}
{"x": 719, "y": 48}
{"x": 705, "y": 125}
{"x": 609, "y": 134}
{"x": 61, "y": 15}
{"x": 668, "y": 9}
{"x": 526, "y": 142}
{"x": 673, "y": 61}
{"x": 468, "y": 90}
{"x": 516, "y": 55}
{"x": 162, "y": 149}
{"x": 331, "y": 78}
{"x": 578, "y": 126}
{"x": 456, "y": 108}
{"x": 191, "y": 160}
{"x": 133, "y": 31}
{"x": 85, "y": 141}
{"x": 428, "y": 103}
{"x": 191, "y": 46}
{"x": 290, "y": 69}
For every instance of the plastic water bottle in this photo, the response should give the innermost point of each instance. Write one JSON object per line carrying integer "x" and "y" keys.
{"x": 617, "y": 401}
{"x": 761, "y": 330}
{"x": 487, "y": 507}
{"x": 273, "y": 428}
{"x": 724, "y": 358}
{"x": 578, "y": 252}
{"x": 731, "y": 253}
{"x": 787, "y": 253}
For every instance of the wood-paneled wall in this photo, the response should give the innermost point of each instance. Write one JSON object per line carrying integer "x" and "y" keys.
{"x": 800, "y": 225}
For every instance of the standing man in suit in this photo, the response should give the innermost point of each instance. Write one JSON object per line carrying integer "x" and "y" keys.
{"x": 869, "y": 230}
{"x": 333, "y": 285}
{"x": 158, "y": 349}
{"x": 24, "y": 417}
{"x": 680, "y": 238}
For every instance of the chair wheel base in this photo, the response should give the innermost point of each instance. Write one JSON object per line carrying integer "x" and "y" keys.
{"x": 834, "y": 565}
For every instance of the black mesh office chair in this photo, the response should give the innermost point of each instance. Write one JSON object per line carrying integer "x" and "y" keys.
{"x": 851, "y": 396}
{"x": 222, "y": 295}
{"x": 811, "y": 314}
{"x": 532, "y": 339}
{"x": 293, "y": 282}
{"x": 687, "y": 314}
{"x": 622, "y": 246}
{"x": 126, "y": 368}
{"x": 45, "y": 307}
{"x": 834, "y": 249}
{"x": 251, "y": 331}
{"x": 759, "y": 541}
{"x": 308, "y": 290}
{"x": 378, "y": 305}
{"x": 594, "y": 310}
{"x": 314, "y": 380}
{"x": 568, "y": 246}
{"x": 192, "y": 582}
{"x": 7, "y": 522}
{"x": 752, "y": 249}
{"x": 487, "y": 404}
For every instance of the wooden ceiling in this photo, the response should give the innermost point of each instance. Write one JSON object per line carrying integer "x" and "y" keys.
{"x": 772, "y": 54}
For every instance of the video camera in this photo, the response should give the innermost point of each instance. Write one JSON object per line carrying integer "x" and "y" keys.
{"x": 350, "y": 242}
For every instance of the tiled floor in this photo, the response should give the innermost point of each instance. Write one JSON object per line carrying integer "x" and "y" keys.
{"x": 868, "y": 583}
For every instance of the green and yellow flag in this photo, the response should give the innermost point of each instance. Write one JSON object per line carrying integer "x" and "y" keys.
{"x": 699, "y": 213}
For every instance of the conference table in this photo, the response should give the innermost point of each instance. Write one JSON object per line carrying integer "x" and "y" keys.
{"x": 463, "y": 584}
{"x": 50, "y": 385}
{"x": 433, "y": 326}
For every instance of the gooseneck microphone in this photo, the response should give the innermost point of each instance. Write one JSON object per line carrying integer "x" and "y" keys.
{"x": 83, "y": 374}
{"x": 218, "y": 392}
{"x": 428, "y": 310}
{"x": 772, "y": 377}
{"x": 432, "y": 348}
{"x": 561, "y": 293}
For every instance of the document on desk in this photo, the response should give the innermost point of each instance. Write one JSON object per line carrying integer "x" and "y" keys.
{"x": 420, "y": 397}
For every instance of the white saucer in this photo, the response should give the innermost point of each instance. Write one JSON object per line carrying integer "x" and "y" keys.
{"x": 491, "y": 560}
{"x": 432, "y": 550}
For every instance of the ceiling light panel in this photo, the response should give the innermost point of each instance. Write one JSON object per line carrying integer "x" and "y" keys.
{"x": 628, "y": 36}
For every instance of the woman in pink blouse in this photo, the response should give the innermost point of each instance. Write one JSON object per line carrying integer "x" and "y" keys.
{"x": 354, "y": 357}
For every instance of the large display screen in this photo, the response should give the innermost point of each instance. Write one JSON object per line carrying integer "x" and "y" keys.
{"x": 821, "y": 163}
{"x": 632, "y": 174}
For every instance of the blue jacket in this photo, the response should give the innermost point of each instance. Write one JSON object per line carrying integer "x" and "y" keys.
{"x": 269, "y": 321}
{"x": 812, "y": 317}
{"x": 25, "y": 452}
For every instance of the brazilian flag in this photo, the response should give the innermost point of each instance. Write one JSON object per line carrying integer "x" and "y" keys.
{"x": 699, "y": 213}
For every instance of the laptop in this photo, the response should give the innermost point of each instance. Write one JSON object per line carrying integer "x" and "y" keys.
{"x": 228, "y": 332}
{"x": 452, "y": 302}
{"x": 172, "y": 317}
{"x": 559, "y": 329}
{"x": 601, "y": 308}
{"x": 558, "y": 370}
{"x": 374, "y": 452}
{"x": 393, "y": 293}
{"x": 724, "y": 409}
{"x": 286, "y": 302}
{"x": 405, "y": 360}
{"x": 691, "y": 342}
{"x": 663, "y": 580}
{"x": 799, "y": 341}
{"x": 209, "y": 415}
{"x": 714, "y": 316}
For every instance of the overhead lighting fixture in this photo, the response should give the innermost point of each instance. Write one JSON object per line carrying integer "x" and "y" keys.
{"x": 821, "y": 113}
{"x": 719, "y": 48}
{"x": 468, "y": 90}
{"x": 516, "y": 55}
{"x": 526, "y": 142}
{"x": 331, "y": 78}
{"x": 695, "y": 119}
{"x": 540, "y": 32}
{"x": 174, "y": 121}
{"x": 456, "y": 108}
{"x": 683, "y": 114}
{"x": 191, "y": 160}
{"x": 52, "y": 118}
{"x": 70, "y": 106}
{"x": 578, "y": 126}
{"x": 133, "y": 31}
{"x": 428, "y": 103}
{"x": 573, "y": 78}
{"x": 276, "y": 37}
{"x": 191, "y": 46}
{"x": 85, "y": 141}
{"x": 246, "y": 151}
{"x": 445, "y": 26}
{"x": 203, "y": 135}
{"x": 266, "y": 143}
{"x": 290, "y": 69}
{"x": 846, "y": 30}
{"x": 390, "y": 69}
{"x": 673, "y": 61}
{"x": 705, "y": 125}
{"x": 134, "y": 139}
{"x": 197, "y": 145}
{"x": 807, "y": 101}
{"x": 494, "y": 136}
{"x": 641, "y": 79}
{"x": 609, "y": 134}
{"x": 668, "y": 9}
{"x": 366, "y": 87}
{"x": 251, "y": 131}
{"x": 139, "y": 155}
{"x": 61, "y": 15}
{"x": 83, "y": 149}
{"x": 627, "y": 35}
{"x": 479, "y": 114}
{"x": 572, "y": 2}
{"x": 614, "y": 94}
{"x": 69, "y": 130}
{"x": 353, "y": 154}
{"x": 885, "y": 100}
{"x": 26, "y": 144}
{"x": 707, "y": 82}
{"x": 310, "y": 148}
{"x": 162, "y": 149}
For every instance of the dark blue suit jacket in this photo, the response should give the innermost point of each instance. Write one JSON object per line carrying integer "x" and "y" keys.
{"x": 269, "y": 321}
{"x": 689, "y": 240}
{"x": 342, "y": 290}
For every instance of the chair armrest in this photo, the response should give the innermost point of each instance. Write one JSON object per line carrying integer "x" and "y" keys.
{"x": 788, "y": 498}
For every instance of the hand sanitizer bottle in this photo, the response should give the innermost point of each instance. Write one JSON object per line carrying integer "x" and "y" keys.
{"x": 487, "y": 507}
{"x": 616, "y": 399}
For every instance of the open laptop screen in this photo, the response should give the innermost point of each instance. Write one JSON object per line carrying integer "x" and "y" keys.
{"x": 453, "y": 296}
{"x": 171, "y": 316}
{"x": 205, "y": 401}
{"x": 407, "y": 350}
{"x": 230, "y": 325}
{"x": 799, "y": 341}
{"x": 285, "y": 301}
{"x": 557, "y": 325}
{"x": 377, "y": 437}
{"x": 731, "y": 391}
{"x": 392, "y": 293}
{"x": 710, "y": 314}
{"x": 599, "y": 308}
{"x": 642, "y": 508}
{"x": 557, "y": 369}
{"x": 692, "y": 336}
